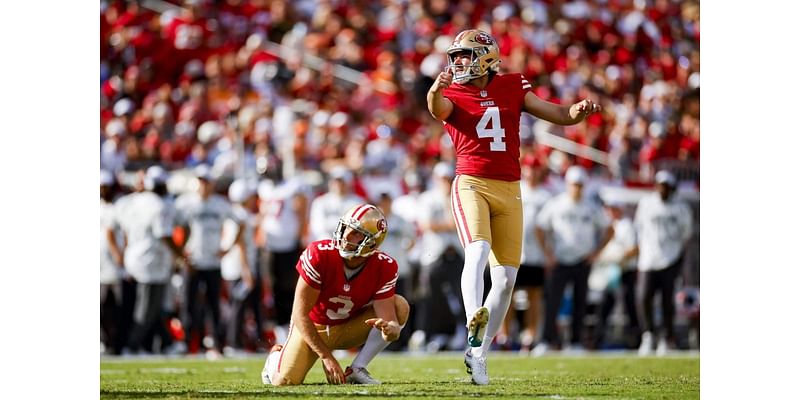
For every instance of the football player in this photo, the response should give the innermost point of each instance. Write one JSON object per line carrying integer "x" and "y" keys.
{"x": 346, "y": 288}
{"x": 481, "y": 111}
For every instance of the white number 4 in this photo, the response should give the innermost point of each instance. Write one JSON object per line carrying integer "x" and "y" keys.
{"x": 497, "y": 133}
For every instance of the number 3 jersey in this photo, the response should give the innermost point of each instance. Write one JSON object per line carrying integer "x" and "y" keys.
{"x": 484, "y": 126}
{"x": 340, "y": 298}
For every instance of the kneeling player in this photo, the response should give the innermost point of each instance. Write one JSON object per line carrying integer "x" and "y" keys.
{"x": 346, "y": 288}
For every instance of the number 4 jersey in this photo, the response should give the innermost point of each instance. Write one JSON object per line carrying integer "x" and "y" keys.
{"x": 340, "y": 298}
{"x": 484, "y": 126}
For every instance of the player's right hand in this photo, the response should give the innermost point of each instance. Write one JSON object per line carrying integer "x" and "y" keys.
{"x": 333, "y": 371}
{"x": 443, "y": 80}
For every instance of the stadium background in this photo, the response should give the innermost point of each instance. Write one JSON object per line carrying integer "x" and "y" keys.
{"x": 278, "y": 90}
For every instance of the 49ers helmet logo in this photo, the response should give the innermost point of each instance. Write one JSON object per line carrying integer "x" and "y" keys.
{"x": 381, "y": 225}
{"x": 483, "y": 38}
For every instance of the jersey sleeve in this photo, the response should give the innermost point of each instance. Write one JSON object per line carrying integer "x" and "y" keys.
{"x": 388, "y": 278}
{"x": 309, "y": 266}
{"x": 525, "y": 85}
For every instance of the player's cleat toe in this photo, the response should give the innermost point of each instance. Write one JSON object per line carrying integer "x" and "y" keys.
{"x": 476, "y": 367}
{"x": 360, "y": 376}
{"x": 477, "y": 327}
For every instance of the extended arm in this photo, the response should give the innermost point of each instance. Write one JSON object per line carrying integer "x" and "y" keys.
{"x": 559, "y": 114}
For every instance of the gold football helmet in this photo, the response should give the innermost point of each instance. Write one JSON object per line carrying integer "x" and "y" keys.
{"x": 484, "y": 53}
{"x": 367, "y": 220}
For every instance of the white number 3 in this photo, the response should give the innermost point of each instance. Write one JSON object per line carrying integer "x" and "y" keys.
{"x": 497, "y": 133}
{"x": 343, "y": 311}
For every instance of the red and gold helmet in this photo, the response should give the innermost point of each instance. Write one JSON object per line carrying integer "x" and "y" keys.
{"x": 366, "y": 219}
{"x": 485, "y": 55}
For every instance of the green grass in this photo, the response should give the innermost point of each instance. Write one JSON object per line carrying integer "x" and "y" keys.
{"x": 590, "y": 377}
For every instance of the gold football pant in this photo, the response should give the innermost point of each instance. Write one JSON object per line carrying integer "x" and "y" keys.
{"x": 490, "y": 210}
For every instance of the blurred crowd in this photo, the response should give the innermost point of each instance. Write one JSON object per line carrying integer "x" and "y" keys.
{"x": 317, "y": 105}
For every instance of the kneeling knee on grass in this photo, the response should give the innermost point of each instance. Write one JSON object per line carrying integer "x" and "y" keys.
{"x": 402, "y": 310}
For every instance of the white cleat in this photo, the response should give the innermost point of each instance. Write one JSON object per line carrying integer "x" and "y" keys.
{"x": 271, "y": 365}
{"x": 646, "y": 348}
{"x": 360, "y": 376}
{"x": 540, "y": 350}
{"x": 477, "y": 327}
{"x": 476, "y": 367}
{"x": 662, "y": 347}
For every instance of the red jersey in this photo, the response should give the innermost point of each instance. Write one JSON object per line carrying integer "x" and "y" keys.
{"x": 484, "y": 126}
{"x": 340, "y": 298}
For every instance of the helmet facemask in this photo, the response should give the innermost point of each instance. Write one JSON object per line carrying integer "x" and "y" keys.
{"x": 364, "y": 248}
{"x": 463, "y": 73}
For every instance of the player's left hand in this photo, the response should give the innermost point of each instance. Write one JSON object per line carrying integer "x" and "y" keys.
{"x": 584, "y": 108}
{"x": 390, "y": 330}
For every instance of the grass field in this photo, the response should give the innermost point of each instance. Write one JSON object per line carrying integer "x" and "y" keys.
{"x": 512, "y": 376}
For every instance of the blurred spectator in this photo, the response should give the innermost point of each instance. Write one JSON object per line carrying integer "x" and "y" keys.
{"x": 664, "y": 225}
{"x": 111, "y": 270}
{"x": 616, "y": 263}
{"x": 147, "y": 221}
{"x": 238, "y": 265}
{"x": 284, "y": 210}
{"x": 571, "y": 231}
{"x": 201, "y": 214}
{"x": 112, "y": 151}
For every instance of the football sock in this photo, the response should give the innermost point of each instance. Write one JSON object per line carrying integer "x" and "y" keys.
{"x": 476, "y": 254}
{"x": 373, "y": 346}
{"x": 498, "y": 300}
